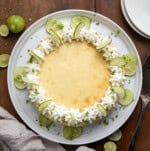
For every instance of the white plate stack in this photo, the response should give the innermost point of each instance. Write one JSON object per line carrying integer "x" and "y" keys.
{"x": 137, "y": 14}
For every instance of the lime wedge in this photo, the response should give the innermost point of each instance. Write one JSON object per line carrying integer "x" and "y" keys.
{"x": 4, "y": 31}
{"x": 4, "y": 59}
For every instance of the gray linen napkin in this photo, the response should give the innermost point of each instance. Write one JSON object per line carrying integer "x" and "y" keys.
{"x": 14, "y": 136}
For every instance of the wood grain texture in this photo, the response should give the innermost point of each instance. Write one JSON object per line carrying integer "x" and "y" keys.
{"x": 36, "y": 9}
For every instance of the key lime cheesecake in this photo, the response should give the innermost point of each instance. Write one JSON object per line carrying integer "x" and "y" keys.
{"x": 75, "y": 76}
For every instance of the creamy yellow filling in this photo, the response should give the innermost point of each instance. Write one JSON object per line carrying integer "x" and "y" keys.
{"x": 75, "y": 75}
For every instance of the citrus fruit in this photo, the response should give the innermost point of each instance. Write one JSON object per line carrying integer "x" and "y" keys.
{"x": 15, "y": 23}
{"x": 4, "y": 31}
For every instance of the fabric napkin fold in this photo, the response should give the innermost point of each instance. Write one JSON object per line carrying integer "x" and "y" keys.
{"x": 14, "y": 136}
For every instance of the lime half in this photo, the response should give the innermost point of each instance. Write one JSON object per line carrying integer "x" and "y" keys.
{"x": 4, "y": 31}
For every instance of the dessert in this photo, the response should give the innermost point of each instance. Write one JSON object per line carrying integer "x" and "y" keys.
{"x": 75, "y": 76}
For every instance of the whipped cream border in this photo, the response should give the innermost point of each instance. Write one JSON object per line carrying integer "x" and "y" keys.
{"x": 58, "y": 113}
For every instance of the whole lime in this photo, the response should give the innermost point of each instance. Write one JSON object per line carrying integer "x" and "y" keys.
{"x": 15, "y": 23}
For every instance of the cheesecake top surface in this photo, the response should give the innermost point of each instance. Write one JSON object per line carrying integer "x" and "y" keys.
{"x": 75, "y": 75}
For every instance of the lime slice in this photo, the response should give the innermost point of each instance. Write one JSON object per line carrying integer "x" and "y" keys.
{"x": 116, "y": 136}
{"x": 15, "y": 23}
{"x": 102, "y": 110}
{"x": 71, "y": 133}
{"x": 55, "y": 36}
{"x": 4, "y": 31}
{"x": 43, "y": 105}
{"x": 128, "y": 98}
{"x": 119, "y": 91}
{"x": 119, "y": 61}
{"x": 73, "y": 119}
{"x": 44, "y": 121}
{"x": 4, "y": 59}
{"x": 129, "y": 58}
{"x": 130, "y": 69}
{"x": 53, "y": 24}
{"x": 35, "y": 56}
{"x": 80, "y": 19}
{"x": 19, "y": 73}
{"x": 19, "y": 85}
{"x": 104, "y": 43}
{"x": 110, "y": 146}
{"x": 78, "y": 29}
{"x": 130, "y": 66}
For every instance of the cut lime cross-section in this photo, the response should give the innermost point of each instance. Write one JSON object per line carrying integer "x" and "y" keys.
{"x": 4, "y": 59}
{"x": 4, "y": 31}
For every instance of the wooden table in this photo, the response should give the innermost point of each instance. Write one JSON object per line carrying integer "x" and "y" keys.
{"x": 36, "y": 9}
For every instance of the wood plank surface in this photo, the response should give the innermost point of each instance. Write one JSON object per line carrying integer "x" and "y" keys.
{"x": 36, "y": 9}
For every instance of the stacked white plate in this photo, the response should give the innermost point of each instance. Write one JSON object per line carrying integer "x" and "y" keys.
{"x": 137, "y": 14}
